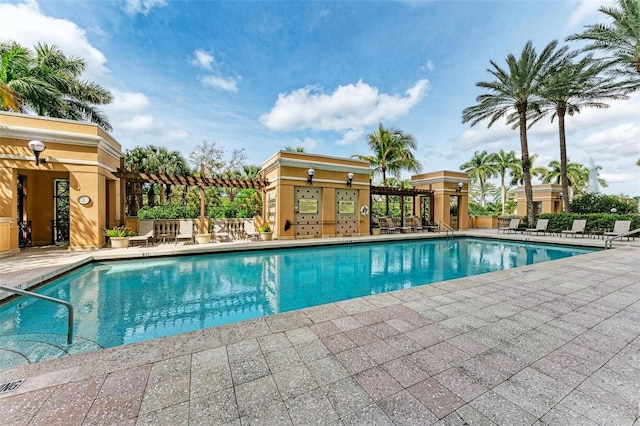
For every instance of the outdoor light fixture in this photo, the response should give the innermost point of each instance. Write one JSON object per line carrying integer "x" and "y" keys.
{"x": 560, "y": 195}
{"x": 310, "y": 174}
{"x": 349, "y": 179}
{"x": 459, "y": 188}
{"x": 37, "y": 147}
{"x": 614, "y": 210}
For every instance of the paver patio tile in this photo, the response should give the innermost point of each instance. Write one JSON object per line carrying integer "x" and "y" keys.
{"x": 337, "y": 393}
{"x": 273, "y": 342}
{"x": 428, "y": 362}
{"x": 283, "y": 359}
{"x": 468, "y": 344}
{"x": 561, "y": 415}
{"x": 381, "y": 352}
{"x": 436, "y": 397}
{"x": 430, "y": 334}
{"x": 405, "y": 371}
{"x": 238, "y": 332}
{"x": 177, "y": 414}
{"x": 355, "y": 306}
{"x": 294, "y": 381}
{"x": 378, "y": 383}
{"x": 338, "y": 343}
{"x": 558, "y": 372}
{"x": 594, "y": 357}
{"x": 465, "y": 416}
{"x": 624, "y": 386}
{"x": 484, "y": 371}
{"x": 403, "y": 344}
{"x": 600, "y": 408}
{"x": 356, "y": 360}
{"x": 600, "y": 342}
{"x": 401, "y": 325}
{"x": 311, "y": 351}
{"x": 287, "y": 321}
{"x": 311, "y": 408}
{"x": 253, "y": 397}
{"x": 566, "y": 358}
{"x": 246, "y": 369}
{"x": 19, "y": 409}
{"x": 301, "y": 336}
{"x": 383, "y": 330}
{"x": 327, "y": 370}
{"x": 404, "y": 409}
{"x": 460, "y": 383}
{"x": 324, "y": 329}
{"x": 244, "y": 349}
{"x": 328, "y": 312}
{"x": 273, "y": 415}
{"x": 371, "y": 415}
{"x": 217, "y": 408}
{"x": 463, "y": 323}
{"x": 501, "y": 411}
{"x": 346, "y": 323}
{"x": 449, "y": 353}
{"x": 210, "y": 372}
{"x": 362, "y": 336}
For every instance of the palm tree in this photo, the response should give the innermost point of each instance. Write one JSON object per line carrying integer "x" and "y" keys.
{"x": 577, "y": 176}
{"x": 296, "y": 149}
{"x": 502, "y": 162}
{"x": 517, "y": 177}
{"x": 620, "y": 41}
{"x": 48, "y": 83}
{"x": 480, "y": 169}
{"x": 567, "y": 91}
{"x": 516, "y": 91}
{"x": 391, "y": 152}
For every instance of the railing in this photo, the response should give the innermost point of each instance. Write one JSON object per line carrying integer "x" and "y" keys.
{"x": 608, "y": 243}
{"x": 446, "y": 227}
{"x": 49, "y": 299}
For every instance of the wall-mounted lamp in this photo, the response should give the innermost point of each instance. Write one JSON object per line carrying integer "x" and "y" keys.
{"x": 459, "y": 187}
{"x": 560, "y": 195}
{"x": 349, "y": 179}
{"x": 310, "y": 174}
{"x": 37, "y": 147}
{"x": 614, "y": 210}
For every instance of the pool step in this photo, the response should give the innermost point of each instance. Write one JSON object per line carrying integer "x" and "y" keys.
{"x": 29, "y": 348}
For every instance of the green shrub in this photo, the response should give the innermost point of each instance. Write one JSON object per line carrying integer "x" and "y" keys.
{"x": 171, "y": 211}
{"x": 595, "y": 221}
{"x": 602, "y": 203}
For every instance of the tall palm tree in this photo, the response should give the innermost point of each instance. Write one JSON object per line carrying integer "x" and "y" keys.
{"x": 503, "y": 162}
{"x": 480, "y": 169}
{"x": 48, "y": 83}
{"x": 572, "y": 87}
{"x": 517, "y": 177}
{"x": 515, "y": 91}
{"x": 620, "y": 40}
{"x": 391, "y": 152}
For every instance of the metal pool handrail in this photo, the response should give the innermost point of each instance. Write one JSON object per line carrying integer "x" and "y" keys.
{"x": 608, "y": 243}
{"x": 446, "y": 227}
{"x": 49, "y": 299}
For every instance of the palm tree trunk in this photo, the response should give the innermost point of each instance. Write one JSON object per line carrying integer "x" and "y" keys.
{"x": 503, "y": 192}
{"x": 563, "y": 160}
{"x": 526, "y": 166}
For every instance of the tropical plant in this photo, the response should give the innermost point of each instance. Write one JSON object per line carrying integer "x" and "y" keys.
{"x": 603, "y": 203}
{"x": 515, "y": 91}
{"x": 572, "y": 87}
{"x": 118, "y": 232}
{"x": 577, "y": 176}
{"x": 264, "y": 228}
{"x": 391, "y": 152}
{"x": 48, "y": 83}
{"x": 503, "y": 162}
{"x": 296, "y": 149}
{"x": 517, "y": 177}
{"x": 620, "y": 41}
{"x": 480, "y": 169}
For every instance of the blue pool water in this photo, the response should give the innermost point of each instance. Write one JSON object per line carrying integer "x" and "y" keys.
{"x": 130, "y": 301}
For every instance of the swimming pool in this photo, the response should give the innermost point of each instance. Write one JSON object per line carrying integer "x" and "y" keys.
{"x": 122, "y": 302}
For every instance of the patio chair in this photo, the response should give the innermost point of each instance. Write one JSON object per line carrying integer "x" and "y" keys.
{"x": 220, "y": 230}
{"x": 145, "y": 232}
{"x": 185, "y": 231}
{"x": 619, "y": 228}
{"x": 541, "y": 226}
{"x": 390, "y": 227}
{"x": 513, "y": 226}
{"x": 250, "y": 230}
{"x": 578, "y": 227}
{"x": 414, "y": 223}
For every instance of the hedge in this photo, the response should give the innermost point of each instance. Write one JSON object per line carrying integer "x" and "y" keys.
{"x": 595, "y": 221}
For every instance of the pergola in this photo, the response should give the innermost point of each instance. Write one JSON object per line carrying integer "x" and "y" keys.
{"x": 402, "y": 193}
{"x": 200, "y": 181}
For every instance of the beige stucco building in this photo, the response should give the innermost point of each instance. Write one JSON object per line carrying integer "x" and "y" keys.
{"x": 546, "y": 199}
{"x": 72, "y": 194}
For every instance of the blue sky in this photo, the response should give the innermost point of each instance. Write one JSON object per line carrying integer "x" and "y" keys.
{"x": 269, "y": 74}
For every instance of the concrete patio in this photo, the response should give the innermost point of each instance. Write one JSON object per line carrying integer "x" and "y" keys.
{"x": 556, "y": 343}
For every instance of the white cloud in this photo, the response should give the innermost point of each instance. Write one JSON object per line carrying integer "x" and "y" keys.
{"x": 202, "y": 59}
{"x": 613, "y": 143}
{"x": 586, "y": 12}
{"x": 348, "y": 109}
{"x": 142, "y": 6}
{"x": 25, "y": 24}
{"x": 307, "y": 143}
{"x": 146, "y": 127}
{"x": 227, "y": 84}
{"x": 128, "y": 102}
{"x": 428, "y": 66}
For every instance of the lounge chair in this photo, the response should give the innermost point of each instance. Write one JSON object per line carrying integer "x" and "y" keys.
{"x": 577, "y": 228}
{"x": 145, "y": 232}
{"x": 250, "y": 230}
{"x": 414, "y": 224}
{"x": 619, "y": 228}
{"x": 541, "y": 226}
{"x": 220, "y": 230}
{"x": 513, "y": 226}
{"x": 390, "y": 228}
{"x": 185, "y": 231}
